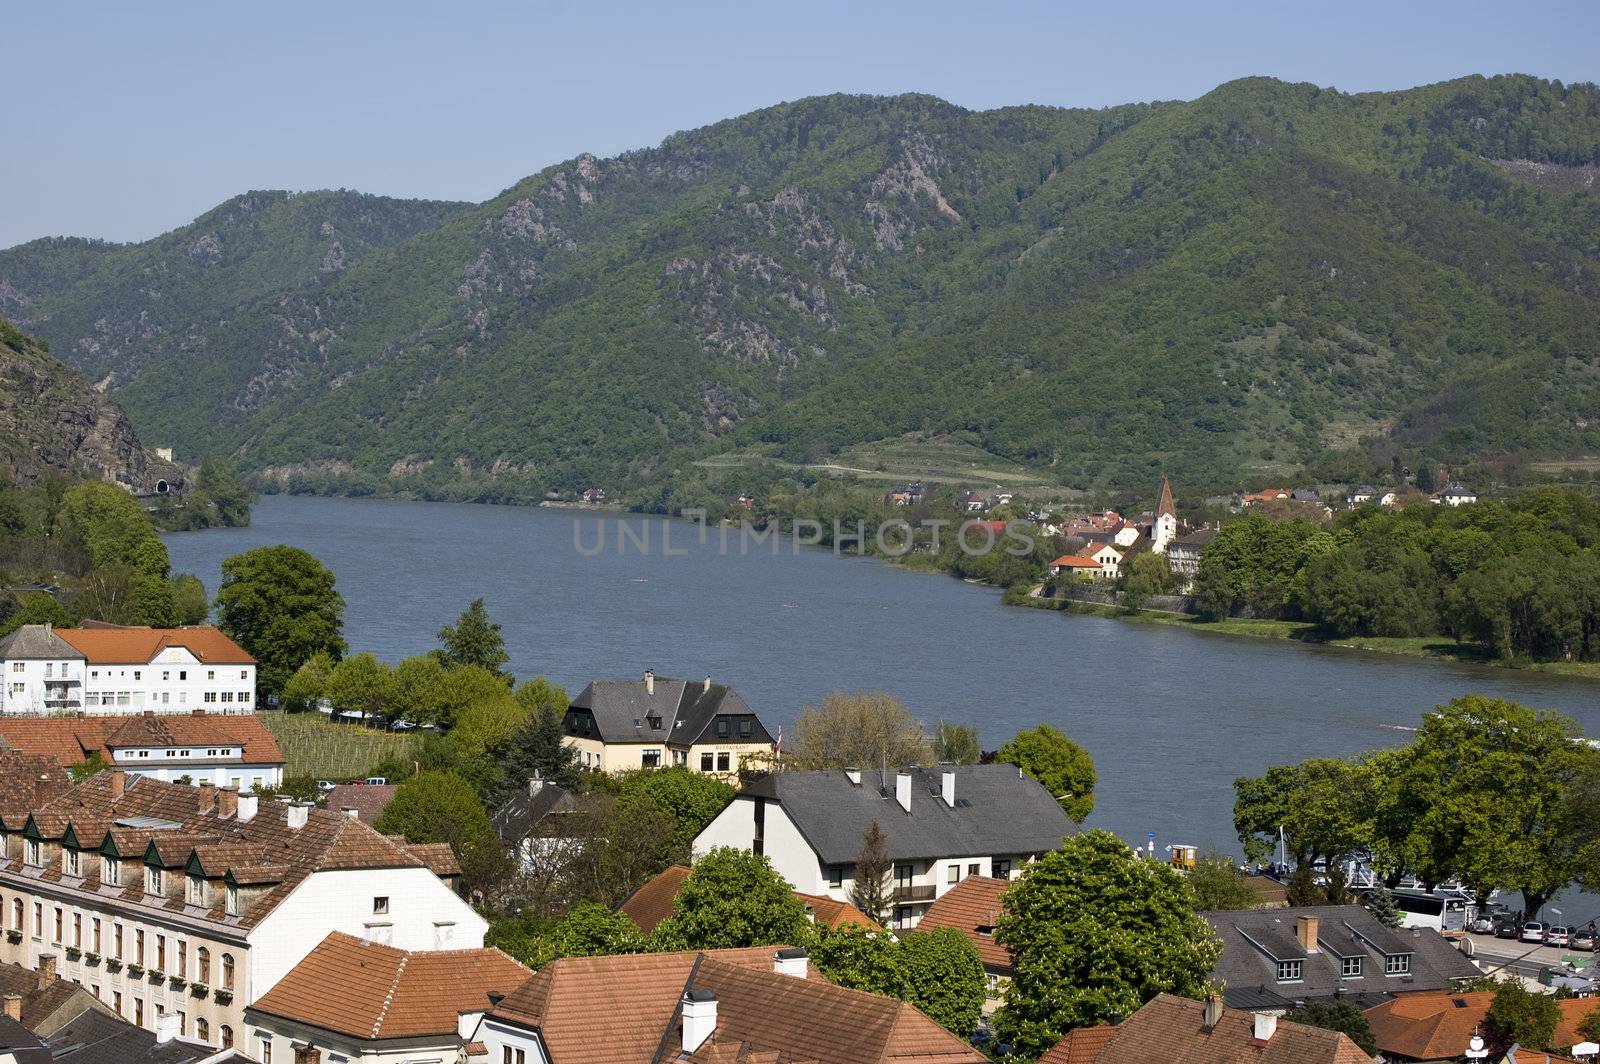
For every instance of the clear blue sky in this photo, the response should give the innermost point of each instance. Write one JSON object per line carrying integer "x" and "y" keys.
{"x": 125, "y": 120}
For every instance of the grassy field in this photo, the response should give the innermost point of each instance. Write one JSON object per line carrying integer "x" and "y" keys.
{"x": 315, "y": 746}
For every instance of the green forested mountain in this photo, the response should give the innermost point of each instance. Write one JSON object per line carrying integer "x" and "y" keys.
{"x": 1262, "y": 278}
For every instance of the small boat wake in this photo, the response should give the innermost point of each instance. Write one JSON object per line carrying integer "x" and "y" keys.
{"x": 1397, "y": 727}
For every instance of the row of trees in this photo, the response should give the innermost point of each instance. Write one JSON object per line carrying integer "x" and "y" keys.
{"x": 1520, "y": 579}
{"x": 1488, "y": 791}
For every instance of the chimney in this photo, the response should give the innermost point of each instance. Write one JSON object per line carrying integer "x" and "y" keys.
{"x": 708, "y": 685}
{"x": 306, "y": 1053}
{"x": 790, "y": 962}
{"x": 699, "y": 1018}
{"x": 117, "y": 782}
{"x": 1266, "y": 1025}
{"x": 248, "y": 804}
{"x": 495, "y": 997}
{"x": 298, "y": 812}
{"x": 649, "y": 681}
{"x": 1305, "y": 929}
{"x": 1213, "y": 1013}
{"x": 14, "y": 1007}
{"x": 902, "y": 790}
{"x": 350, "y": 811}
{"x": 47, "y": 970}
{"x": 854, "y": 776}
{"x": 227, "y": 801}
{"x": 535, "y": 783}
{"x": 947, "y": 787}
{"x": 208, "y": 796}
{"x": 166, "y": 1027}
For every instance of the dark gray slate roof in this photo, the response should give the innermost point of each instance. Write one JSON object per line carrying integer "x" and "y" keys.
{"x": 997, "y": 811}
{"x": 20, "y": 1044}
{"x": 1194, "y": 540}
{"x": 667, "y": 711}
{"x": 1254, "y": 940}
{"x": 36, "y": 642}
{"x": 520, "y": 815}
{"x": 96, "y": 1038}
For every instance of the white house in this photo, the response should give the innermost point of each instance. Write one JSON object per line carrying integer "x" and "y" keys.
{"x": 201, "y": 748}
{"x": 115, "y": 669}
{"x": 167, "y": 899}
{"x": 1108, "y": 557}
{"x": 354, "y": 1000}
{"x": 1454, "y": 496}
{"x": 940, "y": 825}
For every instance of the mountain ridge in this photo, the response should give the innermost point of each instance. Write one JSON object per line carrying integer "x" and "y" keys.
{"x": 1226, "y": 287}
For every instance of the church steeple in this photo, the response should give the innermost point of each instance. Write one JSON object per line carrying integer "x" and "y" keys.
{"x": 1164, "y": 526}
{"x": 1164, "y": 507}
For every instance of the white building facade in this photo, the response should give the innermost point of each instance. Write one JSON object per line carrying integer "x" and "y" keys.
{"x": 107, "y": 670}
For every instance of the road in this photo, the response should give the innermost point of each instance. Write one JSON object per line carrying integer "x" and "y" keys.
{"x": 1523, "y": 958}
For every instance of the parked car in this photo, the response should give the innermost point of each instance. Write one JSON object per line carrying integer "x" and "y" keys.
{"x": 326, "y": 785}
{"x": 1482, "y": 924}
{"x": 377, "y": 781}
{"x": 1557, "y": 935}
{"x": 1583, "y": 939}
{"x": 1533, "y": 931}
{"x": 1507, "y": 927}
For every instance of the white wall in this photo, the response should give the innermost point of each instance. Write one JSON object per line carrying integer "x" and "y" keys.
{"x": 421, "y": 910}
{"x": 495, "y": 1036}
{"x": 174, "y": 682}
{"x": 29, "y": 676}
{"x": 785, "y": 847}
{"x": 248, "y": 777}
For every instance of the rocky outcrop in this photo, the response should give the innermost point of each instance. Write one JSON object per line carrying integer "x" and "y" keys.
{"x": 52, "y": 421}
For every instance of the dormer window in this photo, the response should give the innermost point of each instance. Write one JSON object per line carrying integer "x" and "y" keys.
{"x": 722, "y": 727}
{"x": 1397, "y": 964}
{"x": 1350, "y": 967}
{"x": 196, "y": 894}
{"x": 33, "y": 852}
{"x": 233, "y": 900}
{"x": 152, "y": 880}
{"x": 1290, "y": 971}
{"x": 110, "y": 873}
{"x": 69, "y": 862}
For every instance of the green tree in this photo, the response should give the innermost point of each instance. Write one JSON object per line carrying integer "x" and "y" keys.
{"x": 525, "y": 937}
{"x": 35, "y": 607}
{"x": 1589, "y": 1026}
{"x": 443, "y": 807}
{"x": 1379, "y": 901}
{"x": 1149, "y": 575}
{"x": 857, "y": 731}
{"x": 92, "y": 765}
{"x": 1338, "y": 1016}
{"x": 539, "y": 748}
{"x": 1520, "y": 1016}
{"x": 361, "y": 684}
{"x": 1218, "y": 884}
{"x": 114, "y": 528}
{"x": 279, "y": 603}
{"x": 474, "y": 640}
{"x": 692, "y": 799}
{"x": 956, "y": 744}
{"x": 482, "y": 739}
{"x": 734, "y": 898}
{"x": 190, "y": 603}
{"x": 944, "y": 978}
{"x": 230, "y": 497}
{"x": 861, "y": 959}
{"x": 1063, "y": 767}
{"x": 593, "y": 930}
{"x": 869, "y": 889}
{"x": 1323, "y": 807}
{"x": 431, "y": 693}
{"x": 1482, "y": 793}
{"x": 305, "y": 688}
{"x": 1095, "y": 932}
{"x": 639, "y": 841}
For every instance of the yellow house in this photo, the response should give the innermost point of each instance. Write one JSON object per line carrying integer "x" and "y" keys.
{"x": 657, "y": 722}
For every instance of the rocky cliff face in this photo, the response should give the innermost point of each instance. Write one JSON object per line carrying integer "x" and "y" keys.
{"x": 52, "y": 421}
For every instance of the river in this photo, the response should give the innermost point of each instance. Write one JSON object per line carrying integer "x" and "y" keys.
{"x": 1171, "y": 716}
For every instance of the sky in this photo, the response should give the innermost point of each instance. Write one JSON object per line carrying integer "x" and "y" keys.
{"x": 122, "y": 121}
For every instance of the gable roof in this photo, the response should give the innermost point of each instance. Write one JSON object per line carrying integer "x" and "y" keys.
{"x": 684, "y": 710}
{"x": 74, "y": 739}
{"x": 1436, "y": 1026}
{"x": 1194, "y": 540}
{"x": 367, "y": 799}
{"x": 1074, "y": 561}
{"x": 34, "y": 642}
{"x": 625, "y": 1010}
{"x": 1164, "y": 506}
{"x": 657, "y": 898}
{"x": 370, "y": 991}
{"x": 95, "y": 1037}
{"x": 18, "y": 1045}
{"x": 27, "y": 781}
{"x": 1172, "y": 1030}
{"x": 972, "y": 907}
{"x": 998, "y": 810}
{"x": 521, "y": 814}
{"x": 1253, "y": 940}
{"x": 44, "y": 999}
{"x": 118, "y": 645}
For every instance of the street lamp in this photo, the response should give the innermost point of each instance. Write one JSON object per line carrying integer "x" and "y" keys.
{"x": 1476, "y": 1049}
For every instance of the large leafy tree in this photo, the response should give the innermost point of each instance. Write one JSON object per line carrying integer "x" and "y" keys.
{"x": 1218, "y": 884}
{"x": 734, "y": 898}
{"x": 1323, "y": 806}
{"x": 857, "y": 731}
{"x": 1095, "y": 932}
{"x": 473, "y": 640}
{"x": 944, "y": 978}
{"x": 1520, "y": 1016}
{"x": 1338, "y": 1016}
{"x": 443, "y": 807}
{"x": 1482, "y": 792}
{"x": 1064, "y": 768}
{"x": 593, "y": 930}
{"x": 360, "y": 684}
{"x": 862, "y": 959}
{"x": 692, "y": 799}
{"x": 431, "y": 693}
{"x": 279, "y": 603}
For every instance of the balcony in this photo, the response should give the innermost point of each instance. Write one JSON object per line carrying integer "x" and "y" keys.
{"x": 906, "y": 892}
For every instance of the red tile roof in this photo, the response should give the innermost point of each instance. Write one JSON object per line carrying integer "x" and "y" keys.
{"x": 367, "y": 799}
{"x": 1433, "y": 1026}
{"x": 972, "y": 907}
{"x": 1074, "y": 561}
{"x": 370, "y": 991}
{"x": 73, "y": 739}
{"x": 1172, "y": 1030}
{"x": 27, "y": 781}
{"x": 139, "y": 646}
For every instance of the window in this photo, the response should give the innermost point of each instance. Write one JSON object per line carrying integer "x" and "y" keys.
{"x": 1397, "y": 964}
{"x": 1290, "y": 971}
{"x": 69, "y": 862}
{"x": 265, "y": 1053}
{"x": 183, "y": 1023}
{"x": 227, "y": 696}
{"x": 836, "y": 876}
{"x": 227, "y": 1037}
{"x": 183, "y": 674}
{"x": 244, "y": 696}
{"x": 138, "y": 1012}
{"x": 724, "y": 726}
{"x": 33, "y": 852}
{"x": 197, "y": 890}
{"x": 210, "y": 696}
{"x": 152, "y": 880}
{"x": 77, "y": 930}
{"x": 902, "y": 917}
{"x": 244, "y": 674}
{"x": 109, "y": 872}
{"x": 202, "y": 965}
{"x": 38, "y": 919}
{"x": 97, "y": 934}
{"x": 16, "y": 913}
{"x": 202, "y": 1029}
{"x": 954, "y": 875}
{"x": 745, "y": 728}
{"x": 650, "y": 759}
{"x": 116, "y": 1001}
{"x": 211, "y": 674}
{"x": 380, "y": 906}
{"x": 227, "y": 971}
{"x": 1350, "y": 967}
{"x": 161, "y": 954}
{"x": 705, "y": 762}
{"x": 511, "y": 1055}
{"x": 233, "y": 900}
{"x": 116, "y": 935}
{"x": 57, "y": 937}
{"x": 724, "y": 762}
{"x": 138, "y": 945}
{"x": 183, "y": 959}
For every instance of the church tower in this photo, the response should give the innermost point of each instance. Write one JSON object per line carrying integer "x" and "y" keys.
{"x": 1164, "y": 529}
